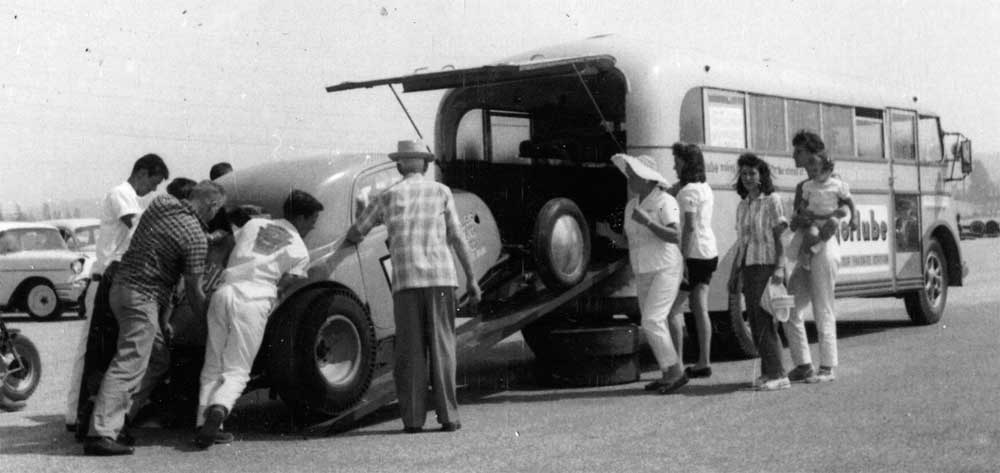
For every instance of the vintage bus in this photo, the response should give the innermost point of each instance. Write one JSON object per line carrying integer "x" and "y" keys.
{"x": 543, "y": 124}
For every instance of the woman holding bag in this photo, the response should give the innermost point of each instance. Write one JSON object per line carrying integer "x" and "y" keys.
{"x": 651, "y": 220}
{"x": 760, "y": 260}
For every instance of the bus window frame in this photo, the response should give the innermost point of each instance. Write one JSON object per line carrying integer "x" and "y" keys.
{"x": 940, "y": 141}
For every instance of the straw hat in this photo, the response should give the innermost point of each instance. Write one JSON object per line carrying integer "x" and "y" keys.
{"x": 643, "y": 166}
{"x": 411, "y": 149}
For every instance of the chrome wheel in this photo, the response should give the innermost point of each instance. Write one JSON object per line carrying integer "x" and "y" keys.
{"x": 566, "y": 246}
{"x": 933, "y": 279}
{"x": 337, "y": 350}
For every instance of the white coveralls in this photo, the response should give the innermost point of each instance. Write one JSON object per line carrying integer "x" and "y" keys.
{"x": 237, "y": 312}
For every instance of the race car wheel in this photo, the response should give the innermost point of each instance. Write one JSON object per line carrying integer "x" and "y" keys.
{"x": 332, "y": 353}
{"x": 23, "y": 368}
{"x": 561, "y": 244}
{"x": 926, "y": 306}
{"x": 41, "y": 301}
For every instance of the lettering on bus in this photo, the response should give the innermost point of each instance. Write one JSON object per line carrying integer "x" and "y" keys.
{"x": 870, "y": 227}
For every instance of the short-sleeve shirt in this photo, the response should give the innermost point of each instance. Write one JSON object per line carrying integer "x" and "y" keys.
{"x": 648, "y": 252}
{"x": 113, "y": 239}
{"x": 756, "y": 219}
{"x": 168, "y": 242}
{"x": 824, "y": 198}
{"x": 420, "y": 216}
{"x": 265, "y": 250}
{"x": 697, "y": 198}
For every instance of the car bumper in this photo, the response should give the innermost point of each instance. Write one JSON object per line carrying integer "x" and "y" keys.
{"x": 70, "y": 292}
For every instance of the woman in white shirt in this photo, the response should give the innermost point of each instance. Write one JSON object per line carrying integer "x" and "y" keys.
{"x": 651, "y": 221}
{"x": 695, "y": 198}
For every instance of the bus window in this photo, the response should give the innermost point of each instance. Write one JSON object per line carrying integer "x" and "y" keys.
{"x": 725, "y": 119}
{"x": 469, "y": 137}
{"x": 507, "y": 131}
{"x": 868, "y": 129}
{"x": 767, "y": 124}
{"x": 903, "y": 143}
{"x": 838, "y": 131}
{"x": 802, "y": 116}
{"x": 930, "y": 139}
{"x": 692, "y": 121}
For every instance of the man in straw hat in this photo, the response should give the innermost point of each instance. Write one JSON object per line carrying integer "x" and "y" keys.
{"x": 652, "y": 217}
{"x": 420, "y": 217}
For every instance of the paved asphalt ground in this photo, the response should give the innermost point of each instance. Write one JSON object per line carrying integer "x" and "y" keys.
{"x": 907, "y": 399}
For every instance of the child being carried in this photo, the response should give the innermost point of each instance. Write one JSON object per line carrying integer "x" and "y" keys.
{"x": 819, "y": 199}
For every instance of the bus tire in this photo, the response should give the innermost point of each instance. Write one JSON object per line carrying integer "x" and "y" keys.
{"x": 589, "y": 354}
{"x": 561, "y": 244}
{"x": 926, "y": 305}
{"x": 327, "y": 355}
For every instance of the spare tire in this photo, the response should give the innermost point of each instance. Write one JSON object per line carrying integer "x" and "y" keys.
{"x": 561, "y": 244}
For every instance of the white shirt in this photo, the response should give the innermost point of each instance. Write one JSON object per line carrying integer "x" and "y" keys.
{"x": 697, "y": 198}
{"x": 648, "y": 252}
{"x": 264, "y": 251}
{"x": 824, "y": 197}
{"x": 113, "y": 239}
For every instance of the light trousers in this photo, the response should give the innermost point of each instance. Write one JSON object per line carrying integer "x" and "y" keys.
{"x": 656, "y": 292}
{"x": 815, "y": 287}
{"x": 235, "y": 332}
{"x": 425, "y": 338}
{"x": 138, "y": 324}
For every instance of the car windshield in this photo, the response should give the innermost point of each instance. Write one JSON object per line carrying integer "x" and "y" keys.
{"x": 31, "y": 239}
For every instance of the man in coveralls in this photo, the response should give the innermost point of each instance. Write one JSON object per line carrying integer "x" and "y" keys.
{"x": 268, "y": 257}
{"x": 420, "y": 217}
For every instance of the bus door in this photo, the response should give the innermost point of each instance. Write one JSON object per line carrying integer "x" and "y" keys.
{"x": 905, "y": 193}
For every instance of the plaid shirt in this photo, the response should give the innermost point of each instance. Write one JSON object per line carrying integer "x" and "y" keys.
{"x": 419, "y": 215}
{"x": 755, "y": 222}
{"x": 169, "y": 241}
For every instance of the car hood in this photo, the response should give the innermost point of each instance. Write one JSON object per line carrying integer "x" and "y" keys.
{"x": 47, "y": 260}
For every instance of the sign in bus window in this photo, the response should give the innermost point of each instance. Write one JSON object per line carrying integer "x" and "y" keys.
{"x": 726, "y": 120}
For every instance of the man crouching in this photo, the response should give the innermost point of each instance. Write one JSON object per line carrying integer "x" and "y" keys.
{"x": 268, "y": 256}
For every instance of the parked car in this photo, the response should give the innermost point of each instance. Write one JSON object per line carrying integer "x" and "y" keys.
{"x": 39, "y": 274}
{"x": 80, "y": 233}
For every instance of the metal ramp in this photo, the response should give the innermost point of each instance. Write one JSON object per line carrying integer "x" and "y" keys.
{"x": 494, "y": 322}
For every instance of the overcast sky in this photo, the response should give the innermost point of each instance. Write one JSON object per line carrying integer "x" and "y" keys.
{"x": 88, "y": 87}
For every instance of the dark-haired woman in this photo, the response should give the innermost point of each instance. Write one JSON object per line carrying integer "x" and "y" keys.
{"x": 695, "y": 198}
{"x": 760, "y": 258}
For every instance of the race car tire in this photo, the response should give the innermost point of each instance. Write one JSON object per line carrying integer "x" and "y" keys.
{"x": 561, "y": 244}
{"x": 25, "y": 369}
{"x": 926, "y": 305}
{"x": 575, "y": 354}
{"x": 323, "y": 357}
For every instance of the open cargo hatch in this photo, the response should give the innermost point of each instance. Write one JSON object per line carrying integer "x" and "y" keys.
{"x": 490, "y": 74}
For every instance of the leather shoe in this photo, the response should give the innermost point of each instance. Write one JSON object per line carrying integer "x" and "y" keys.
{"x": 654, "y": 385}
{"x": 692, "y": 372}
{"x": 214, "y": 415}
{"x": 104, "y": 446}
{"x": 451, "y": 426}
{"x": 677, "y": 384}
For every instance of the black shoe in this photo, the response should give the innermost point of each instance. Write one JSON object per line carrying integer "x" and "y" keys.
{"x": 125, "y": 438}
{"x": 104, "y": 446}
{"x": 692, "y": 372}
{"x": 214, "y": 415}
{"x": 655, "y": 385}
{"x": 412, "y": 430}
{"x": 450, "y": 426}
{"x": 677, "y": 384}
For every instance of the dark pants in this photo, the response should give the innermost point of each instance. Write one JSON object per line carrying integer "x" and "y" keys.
{"x": 425, "y": 335}
{"x": 762, "y": 324}
{"x": 102, "y": 343}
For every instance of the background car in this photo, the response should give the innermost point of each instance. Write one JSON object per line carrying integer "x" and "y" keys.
{"x": 80, "y": 233}
{"x": 39, "y": 274}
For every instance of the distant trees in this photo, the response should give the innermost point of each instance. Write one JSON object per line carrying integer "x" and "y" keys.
{"x": 980, "y": 190}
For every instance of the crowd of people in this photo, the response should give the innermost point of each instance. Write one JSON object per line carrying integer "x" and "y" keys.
{"x": 152, "y": 261}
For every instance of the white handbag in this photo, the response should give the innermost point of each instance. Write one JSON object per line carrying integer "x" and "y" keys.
{"x": 776, "y": 301}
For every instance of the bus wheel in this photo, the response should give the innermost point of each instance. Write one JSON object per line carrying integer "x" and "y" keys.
{"x": 331, "y": 355}
{"x": 561, "y": 244}
{"x": 926, "y": 306}
{"x": 597, "y": 353}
